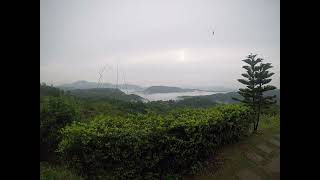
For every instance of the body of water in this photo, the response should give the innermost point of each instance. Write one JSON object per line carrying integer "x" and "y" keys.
{"x": 169, "y": 96}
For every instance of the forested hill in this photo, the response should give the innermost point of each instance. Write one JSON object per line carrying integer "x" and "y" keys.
{"x": 165, "y": 89}
{"x": 94, "y": 93}
{"x": 46, "y": 90}
{"x": 100, "y": 93}
{"x": 227, "y": 97}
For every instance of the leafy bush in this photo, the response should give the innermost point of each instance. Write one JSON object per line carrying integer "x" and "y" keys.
{"x": 164, "y": 107}
{"x": 48, "y": 172}
{"x": 55, "y": 113}
{"x": 46, "y": 90}
{"x": 149, "y": 145}
{"x": 195, "y": 102}
{"x": 273, "y": 109}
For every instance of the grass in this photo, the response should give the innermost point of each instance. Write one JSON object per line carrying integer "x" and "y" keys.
{"x": 49, "y": 172}
{"x": 269, "y": 122}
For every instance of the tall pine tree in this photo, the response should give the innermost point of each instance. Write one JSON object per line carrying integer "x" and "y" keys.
{"x": 257, "y": 77}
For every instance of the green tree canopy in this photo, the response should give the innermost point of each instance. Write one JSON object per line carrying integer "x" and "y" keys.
{"x": 257, "y": 77}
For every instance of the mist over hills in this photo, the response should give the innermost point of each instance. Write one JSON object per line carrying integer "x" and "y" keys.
{"x": 82, "y": 84}
{"x": 90, "y": 85}
{"x": 213, "y": 88}
{"x": 86, "y": 89}
{"x": 165, "y": 89}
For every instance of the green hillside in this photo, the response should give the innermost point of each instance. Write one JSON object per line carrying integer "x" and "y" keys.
{"x": 165, "y": 89}
{"x": 98, "y": 93}
{"x": 227, "y": 97}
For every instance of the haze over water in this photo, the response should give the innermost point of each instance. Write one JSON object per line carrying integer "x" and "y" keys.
{"x": 168, "y": 96}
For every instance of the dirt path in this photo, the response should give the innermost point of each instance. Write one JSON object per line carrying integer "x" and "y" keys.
{"x": 254, "y": 158}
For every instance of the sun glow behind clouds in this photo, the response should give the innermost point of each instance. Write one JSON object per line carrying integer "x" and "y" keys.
{"x": 181, "y": 55}
{"x": 187, "y": 66}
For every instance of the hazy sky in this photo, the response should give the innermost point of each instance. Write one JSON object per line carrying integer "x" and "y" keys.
{"x": 157, "y": 42}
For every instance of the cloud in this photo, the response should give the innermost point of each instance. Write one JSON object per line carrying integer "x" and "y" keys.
{"x": 146, "y": 39}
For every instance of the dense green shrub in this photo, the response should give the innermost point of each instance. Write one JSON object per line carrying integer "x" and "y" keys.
{"x": 46, "y": 90}
{"x": 150, "y": 146}
{"x": 48, "y": 172}
{"x": 164, "y": 107}
{"x": 273, "y": 109}
{"x": 55, "y": 113}
{"x": 195, "y": 102}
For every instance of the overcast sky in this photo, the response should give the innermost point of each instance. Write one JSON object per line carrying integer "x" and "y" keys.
{"x": 157, "y": 42}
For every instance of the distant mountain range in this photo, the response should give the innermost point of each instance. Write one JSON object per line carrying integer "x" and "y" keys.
{"x": 87, "y": 89}
{"x": 227, "y": 97}
{"x": 90, "y": 85}
{"x": 165, "y": 89}
{"x": 213, "y": 88}
{"x": 149, "y": 90}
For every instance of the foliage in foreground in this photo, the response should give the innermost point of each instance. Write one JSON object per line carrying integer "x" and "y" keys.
{"x": 150, "y": 146}
{"x": 55, "y": 113}
{"x": 48, "y": 172}
{"x": 270, "y": 121}
{"x": 46, "y": 90}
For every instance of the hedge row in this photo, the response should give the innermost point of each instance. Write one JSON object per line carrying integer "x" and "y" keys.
{"x": 150, "y": 146}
